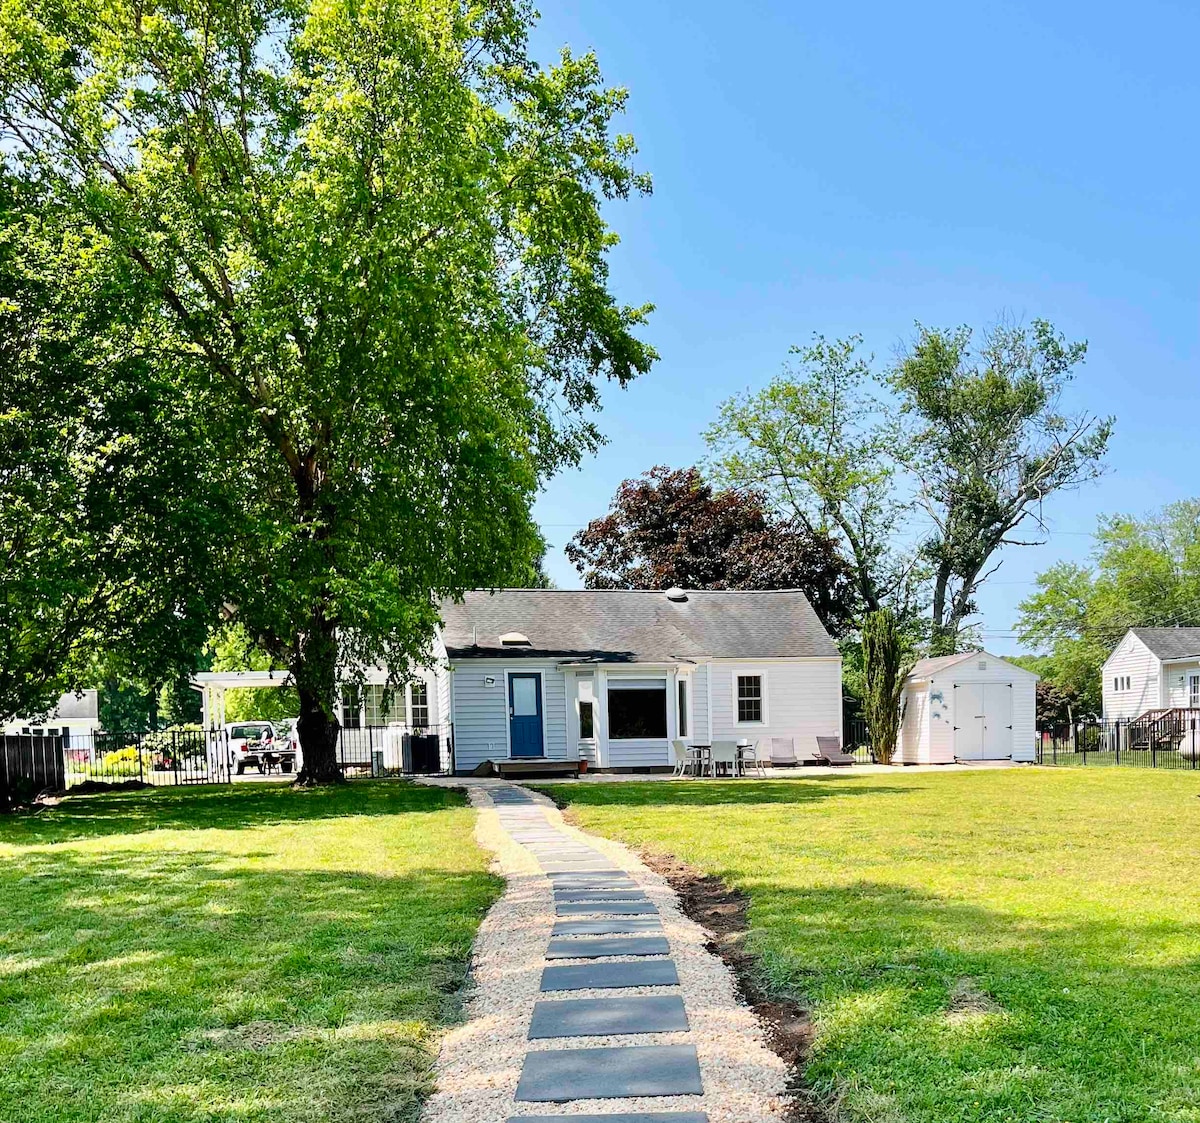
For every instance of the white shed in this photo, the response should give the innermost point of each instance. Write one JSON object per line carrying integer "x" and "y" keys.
{"x": 970, "y": 706}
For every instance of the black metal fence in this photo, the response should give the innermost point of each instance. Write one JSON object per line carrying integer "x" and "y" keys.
{"x": 1167, "y": 740}
{"x": 169, "y": 757}
{"x": 29, "y": 764}
{"x": 857, "y": 739}
{"x": 393, "y": 750}
{"x": 164, "y": 757}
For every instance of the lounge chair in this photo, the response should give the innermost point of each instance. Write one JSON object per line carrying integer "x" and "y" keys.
{"x": 829, "y": 751}
{"x": 783, "y": 752}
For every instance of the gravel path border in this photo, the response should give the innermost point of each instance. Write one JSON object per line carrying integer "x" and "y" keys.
{"x": 479, "y": 1063}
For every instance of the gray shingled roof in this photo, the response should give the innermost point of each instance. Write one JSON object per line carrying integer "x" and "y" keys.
{"x": 923, "y": 668}
{"x": 634, "y": 625}
{"x": 1170, "y": 643}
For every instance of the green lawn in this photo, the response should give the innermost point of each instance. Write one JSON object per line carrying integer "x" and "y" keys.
{"x": 1009, "y": 945}
{"x": 247, "y": 953}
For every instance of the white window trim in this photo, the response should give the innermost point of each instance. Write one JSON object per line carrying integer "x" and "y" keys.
{"x": 750, "y": 672}
{"x": 579, "y": 704}
{"x": 688, "y": 683}
{"x": 408, "y": 706}
{"x": 508, "y": 673}
{"x": 614, "y": 683}
{"x": 1193, "y": 678}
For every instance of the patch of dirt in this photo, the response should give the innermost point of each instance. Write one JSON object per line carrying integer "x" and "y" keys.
{"x": 253, "y": 1036}
{"x": 968, "y": 1000}
{"x": 92, "y": 787}
{"x": 721, "y": 911}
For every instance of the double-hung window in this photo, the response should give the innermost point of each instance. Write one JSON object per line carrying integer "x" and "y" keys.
{"x": 749, "y": 699}
{"x": 418, "y": 711}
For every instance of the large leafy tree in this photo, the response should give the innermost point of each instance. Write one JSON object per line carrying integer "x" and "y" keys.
{"x": 817, "y": 442}
{"x": 1145, "y": 572}
{"x": 671, "y": 527}
{"x": 365, "y": 246}
{"x": 923, "y": 472}
{"x": 989, "y": 441}
{"x": 107, "y": 501}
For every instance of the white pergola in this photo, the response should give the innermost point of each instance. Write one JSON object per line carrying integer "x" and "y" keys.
{"x": 213, "y": 684}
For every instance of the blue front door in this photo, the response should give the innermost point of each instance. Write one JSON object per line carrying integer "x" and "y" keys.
{"x": 525, "y": 715}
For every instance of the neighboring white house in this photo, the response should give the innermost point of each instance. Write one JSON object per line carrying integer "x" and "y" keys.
{"x": 76, "y": 717}
{"x": 1152, "y": 669}
{"x": 613, "y": 675}
{"x": 970, "y": 706}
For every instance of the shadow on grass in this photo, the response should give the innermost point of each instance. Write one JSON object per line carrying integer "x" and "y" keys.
{"x": 223, "y": 807}
{"x": 186, "y": 985}
{"x": 932, "y": 1008}
{"x": 708, "y": 793}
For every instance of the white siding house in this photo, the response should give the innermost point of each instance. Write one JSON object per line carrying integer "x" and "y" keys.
{"x": 1152, "y": 669}
{"x": 613, "y": 676}
{"x": 969, "y": 706}
{"x": 75, "y": 718}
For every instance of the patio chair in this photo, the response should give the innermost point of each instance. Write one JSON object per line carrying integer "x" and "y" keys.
{"x": 783, "y": 752}
{"x": 683, "y": 756}
{"x": 829, "y": 751}
{"x": 752, "y": 758}
{"x": 723, "y": 752}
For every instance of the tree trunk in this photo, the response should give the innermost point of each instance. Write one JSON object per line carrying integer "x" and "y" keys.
{"x": 941, "y": 638}
{"x": 315, "y": 673}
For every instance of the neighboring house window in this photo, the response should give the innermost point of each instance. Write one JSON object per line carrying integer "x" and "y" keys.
{"x": 683, "y": 725}
{"x": 351, "y": 708}
{"x": 1194, "y": 691}
{"x": 420, "y": 705}
{"x": 587, "y": 724}
{"x": 637, "y": 709}
{"x": 380, "y": 705}
{"x": 749, "y": 698}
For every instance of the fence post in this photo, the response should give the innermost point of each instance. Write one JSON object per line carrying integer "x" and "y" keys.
{"x": 1117, "y": 734}
{"x": 1193, "y": 742}
{"x": 141, "y": 763}
{"x": 371, "y": 747}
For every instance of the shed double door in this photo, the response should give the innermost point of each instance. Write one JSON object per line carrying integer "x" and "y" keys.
{"x": 983, "y": 720}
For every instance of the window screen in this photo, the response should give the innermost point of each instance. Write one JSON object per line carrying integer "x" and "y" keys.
{"x": 587, "y": 723}
{"x": 683, "y": 715}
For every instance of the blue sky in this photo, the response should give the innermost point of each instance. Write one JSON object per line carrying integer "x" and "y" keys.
{"x": 857, "y": 167}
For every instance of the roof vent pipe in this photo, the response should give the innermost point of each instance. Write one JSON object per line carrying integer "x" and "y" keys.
{"x": 676, "y": 594}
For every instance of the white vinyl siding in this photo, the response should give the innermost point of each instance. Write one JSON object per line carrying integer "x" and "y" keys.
{"x": 1177, "y": 682}
{"x": 802, "y": 699}
{"x": 481, "y": 711}
{"x": 699, "y": 689}
{"x": 914, "y": 726}
{"x": 1132, "y": 659}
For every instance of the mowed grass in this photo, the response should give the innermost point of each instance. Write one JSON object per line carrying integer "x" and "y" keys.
{"x": 1006, "y": 945}
{"x": 247, "y": 953}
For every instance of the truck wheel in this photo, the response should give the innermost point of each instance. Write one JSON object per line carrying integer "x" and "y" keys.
{"x": 241, "y": 767}
{"x": 285, "y": 766}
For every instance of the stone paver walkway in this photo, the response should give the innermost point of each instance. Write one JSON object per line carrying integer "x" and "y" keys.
{"x": 595, "y": 997}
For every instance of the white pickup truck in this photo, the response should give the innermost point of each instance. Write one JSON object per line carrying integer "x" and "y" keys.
{"x": 258, "y": 743}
